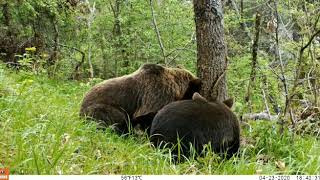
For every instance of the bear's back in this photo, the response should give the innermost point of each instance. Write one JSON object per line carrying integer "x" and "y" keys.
{"x": 195, "y": 122}
{"x": 190, "y": 114}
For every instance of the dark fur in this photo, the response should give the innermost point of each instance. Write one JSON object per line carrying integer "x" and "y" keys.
{"x": 133, "y": 98}
{"x": 198, "y": 122}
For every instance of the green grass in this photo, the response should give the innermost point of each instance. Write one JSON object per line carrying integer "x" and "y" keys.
{"x": 41, "y": 133}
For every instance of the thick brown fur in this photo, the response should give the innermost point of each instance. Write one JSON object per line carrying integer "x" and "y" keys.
{"x": 197, "y": 122}
{"x": 130, "y": 98}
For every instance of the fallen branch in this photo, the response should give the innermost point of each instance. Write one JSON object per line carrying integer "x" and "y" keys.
{"x": 260, "y": 116}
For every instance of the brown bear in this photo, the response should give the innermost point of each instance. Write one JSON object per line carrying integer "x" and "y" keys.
{"x": 196, "y": 122}
{"x": 135, "y": 98}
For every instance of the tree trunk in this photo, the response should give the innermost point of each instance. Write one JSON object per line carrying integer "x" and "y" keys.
{"x": 90, "y": 20}
{"x": 255, "y": 47}
{"x": 242, "y": 15}
{"x": 117, "y": 34}
{"x": 211, "y": 62}
{"x": 54, "y": 56}
{"x": 9, "y": 45}
{"x": 6, "y": 14}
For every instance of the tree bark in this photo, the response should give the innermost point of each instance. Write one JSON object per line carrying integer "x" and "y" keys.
{"x": 211, "y": 60}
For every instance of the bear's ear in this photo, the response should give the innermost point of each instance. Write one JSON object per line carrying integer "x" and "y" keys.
{"x": 228, "y": 102}
{"x": 197, "y": 97}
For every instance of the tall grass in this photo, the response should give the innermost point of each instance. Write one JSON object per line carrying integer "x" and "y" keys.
{"x": 41, "y": 133}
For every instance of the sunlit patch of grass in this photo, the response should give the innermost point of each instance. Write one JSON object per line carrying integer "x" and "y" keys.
{"x": 42, "y": 133}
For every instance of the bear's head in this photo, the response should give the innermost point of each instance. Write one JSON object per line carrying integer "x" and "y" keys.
{"x": 185, "y": 82}
{"x": 181, "y": 82}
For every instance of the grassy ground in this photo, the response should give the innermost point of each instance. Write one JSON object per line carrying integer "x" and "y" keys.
{"x": 41, "y": 133}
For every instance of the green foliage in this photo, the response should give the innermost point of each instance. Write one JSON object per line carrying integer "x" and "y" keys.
{"x": 31, "y": 62}
{"x": 90, "y": 27}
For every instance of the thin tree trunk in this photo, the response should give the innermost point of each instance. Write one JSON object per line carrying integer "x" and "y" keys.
{"x": 6, "y": 14}
{"x": 90, "y": 21}
{"x": 126, "y": 51}
{"x": 264, "y": 85}
{"x": 283, "y": 78}
{"x": 54, "y": 56}
{"x": 76, "y": 73}
{"x": 7, "y": 22}
{"x": 117, "y": 33}
{"x": 255, "y": 48}
{"x": 241, "y": 9}
{"x": 211, "y": 61}
{"x": 154, "y": 22}
{"x": 240, "y": 16}
{"x": 90, "y": 62}
{"x": 56, "y": 40}
{"x": 105, "y": 58}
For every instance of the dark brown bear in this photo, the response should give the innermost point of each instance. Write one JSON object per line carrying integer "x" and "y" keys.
{"x": 197, "y": 122}
{"x": 137, "y": 97}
